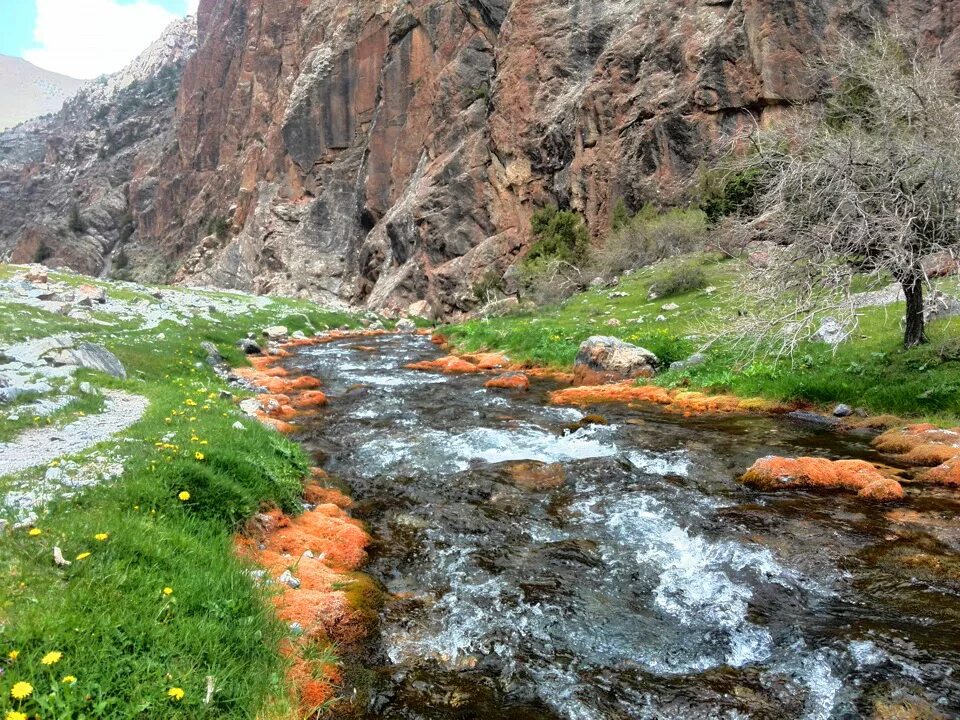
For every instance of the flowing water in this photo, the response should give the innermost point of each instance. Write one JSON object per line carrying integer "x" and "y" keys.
{"x": 636, "y": 579}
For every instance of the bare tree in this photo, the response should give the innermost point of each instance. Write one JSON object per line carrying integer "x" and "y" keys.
{"x": 867, "y": 184}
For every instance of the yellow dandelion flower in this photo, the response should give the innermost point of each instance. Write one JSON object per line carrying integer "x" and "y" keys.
{"x": 13, "y": 654}
{"x": 176, "y": 694}
{"x": 168, "y": 591}
{"x": 100, "y": 537}
{"x": 83, "y": 556}
{"x": 184, "y": 496}
{"x": 21, "y": 690}
{"x": 198, "y": 455}
{"x": 204, "y": 442}
{"x": 14, "y": 715}
{"x": 35, "y": 532}
{"x": 68, "y": 680}
{"x": 51, "y": 658}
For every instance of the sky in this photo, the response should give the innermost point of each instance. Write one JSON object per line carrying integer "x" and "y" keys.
{"x": 84, "y": 38}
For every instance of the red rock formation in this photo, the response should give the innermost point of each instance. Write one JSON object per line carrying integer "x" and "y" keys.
{"x": 392, "y": 152}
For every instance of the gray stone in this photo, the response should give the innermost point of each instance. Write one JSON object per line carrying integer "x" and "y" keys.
{"x": 92, "y": 357}
{"x": 669, "y": 307}
{"x": 939, "y": 306}
{"x": 831, "y": 332}
{"x": 87, "y": 389}
{"x": 298, "y": 335}
{"x": 239, "y": 426}
{"x": 406, "y": 325}
{"x": 692, "y": 361}
{"x": 249, "y": 347}
{"x": 614, "y": 356}
{"x": 842, "y": 411}
{"x": 276, "y": 332}
{"x": 810, "y": 418}
{"x": 287, "y": 578}
{"x": 213, "y": 355}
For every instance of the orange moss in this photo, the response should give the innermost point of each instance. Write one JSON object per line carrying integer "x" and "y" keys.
{"x": 438, "y": 339}
{"x": 331, "y": 604}
{"x": 310, "y": 399}
{"x": 509, "y": 381}
{"x": 947, "y": 474}
{"x": 319, "y": 495}
{"x": 451, "y": 364}
{"x": 686, "y": 402}
{"x": 778, "y": 473}
{"x": 487, "y": 361}
{"x": 279, "y": 425}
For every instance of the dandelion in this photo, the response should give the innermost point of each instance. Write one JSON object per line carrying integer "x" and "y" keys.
{"x": 198, "y": 455}
{"x": 176, "y": 694}
{"x": 21, "y": 690}
{"x": 168, "y": 591}
{"x": 83, "y": 556}
{"x": 100, "y": 537}
{"x": 35, "y": 532}
{"x": 14, "y": 715}
{"x": 51, "y": 658}
{"x": 184, "y": 495}
{"x": 68, "y": 680}
{"x": 13, "y": 654}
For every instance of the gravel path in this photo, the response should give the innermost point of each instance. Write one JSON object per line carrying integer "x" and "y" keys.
{"x": 40, "y": 446}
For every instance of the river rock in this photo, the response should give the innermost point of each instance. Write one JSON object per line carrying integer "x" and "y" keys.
{"x": 420, "y": 308}
{"x": 276, "y": 333}
{"x": 213, "y": 355}
{"x": 692, "y": 361}
{"x": 249, "y": 347}
{"x": 842, "y": 411}
{"x": 602, "y": 359}
{"x": 90, "y": 294}
{"x": 406, "y": 325}
{"x": 288, "y": 579}
{"x": 92, "y": 357}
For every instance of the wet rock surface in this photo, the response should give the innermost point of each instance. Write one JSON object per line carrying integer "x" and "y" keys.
{"x": 545, "y": 567}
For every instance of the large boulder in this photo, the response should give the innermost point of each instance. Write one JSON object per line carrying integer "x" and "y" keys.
{"x": 603, "y": 359}
{"x": 92, "y": 357}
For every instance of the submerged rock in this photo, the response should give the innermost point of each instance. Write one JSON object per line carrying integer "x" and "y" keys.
{"x": 602, "y": 359}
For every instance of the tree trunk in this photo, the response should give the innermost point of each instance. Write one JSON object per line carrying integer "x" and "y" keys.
{"x": 915, "y": 333}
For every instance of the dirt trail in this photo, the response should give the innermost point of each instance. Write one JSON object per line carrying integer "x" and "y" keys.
{"x": 41, "y": 445}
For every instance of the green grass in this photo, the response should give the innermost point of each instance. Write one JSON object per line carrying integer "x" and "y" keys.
{"x": 125, "y": 641}
{"x": 872, "y": 370}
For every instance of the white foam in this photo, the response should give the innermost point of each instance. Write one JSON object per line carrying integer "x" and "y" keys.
{"x": 670, "y": 463}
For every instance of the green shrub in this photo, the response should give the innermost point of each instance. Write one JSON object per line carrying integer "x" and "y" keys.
{"x": 649, "y": 236}
{"x": 679, "y": 282}
{"x": 725, "y": 193}
{"x": 219, "y": 226}
{"x": 488, "y": 286}
{"x": 561, "y": 235}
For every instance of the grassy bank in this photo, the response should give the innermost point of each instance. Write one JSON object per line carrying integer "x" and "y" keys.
{"x": 155, "y": 617}
{"x": 871, "y": 370}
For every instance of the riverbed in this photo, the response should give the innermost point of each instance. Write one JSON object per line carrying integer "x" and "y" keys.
{"x": 555, "y": 563}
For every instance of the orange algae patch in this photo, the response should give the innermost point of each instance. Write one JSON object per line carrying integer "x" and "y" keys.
{"x": 280, "y": 426}
{"x": 921, "y": 444}
{"x": 779, "y": 473}
{"x": 509, "y": 381}
{"x": 332, "y": 604}
{"x": 310, "y": 399}
{"x": 319, "y": 495}
{"x": 686, "y": 402}
{"x": 487, "y": 361}
{"x": 947, "y": 474}
{"x": 451, "y": 364}
{"x": 438, "y": 339}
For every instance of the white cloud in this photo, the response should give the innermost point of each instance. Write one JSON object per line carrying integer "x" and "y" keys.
{"x": 87, "y": 38}
{"x": 192, "y": 6}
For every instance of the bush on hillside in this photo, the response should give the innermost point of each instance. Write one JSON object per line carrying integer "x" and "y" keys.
{"x": 729, "y": 192}
{"x": 684, "y": 279}
{"x": 649, "y": 236}
{"x": 561, "y": 235}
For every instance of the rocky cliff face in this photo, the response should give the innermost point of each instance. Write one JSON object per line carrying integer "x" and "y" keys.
{"x": 386, "y": 152}
{"x": 64, "y": 179}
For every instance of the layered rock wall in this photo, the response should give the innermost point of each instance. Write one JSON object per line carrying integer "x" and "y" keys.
{"x": 383, "y": 152}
